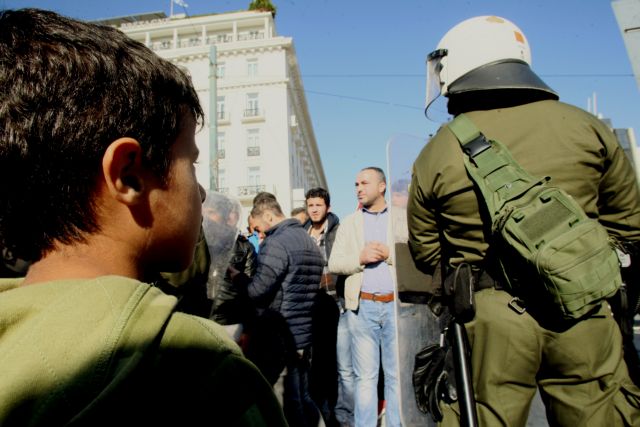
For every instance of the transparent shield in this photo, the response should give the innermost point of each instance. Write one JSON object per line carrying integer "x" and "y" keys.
{"x": 220, "y": 221}
{"x": 438, "y": 112}
{"x": 434, "y": 84}
{"x": 436, "y": 104}
{"x": 416, "y": 324}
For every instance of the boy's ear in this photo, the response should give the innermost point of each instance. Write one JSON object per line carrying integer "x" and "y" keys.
{"x": 122, "y": 170}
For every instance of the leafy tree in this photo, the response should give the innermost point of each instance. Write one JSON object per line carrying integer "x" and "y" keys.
{"x": 263, "y": 5}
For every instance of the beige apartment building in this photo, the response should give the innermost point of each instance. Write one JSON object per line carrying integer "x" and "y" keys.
{"x": 258, "y": 135}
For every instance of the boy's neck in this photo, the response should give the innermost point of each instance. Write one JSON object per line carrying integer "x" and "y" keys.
{"x": 81, "y": 262}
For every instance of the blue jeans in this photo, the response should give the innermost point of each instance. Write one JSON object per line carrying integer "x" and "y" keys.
{"x": 373, "y": 331}
{"x": 346, "y": 378}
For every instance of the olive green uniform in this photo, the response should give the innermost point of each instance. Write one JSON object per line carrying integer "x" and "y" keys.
{"x": 578, "y": 367}
{"x": 112, "y": 351}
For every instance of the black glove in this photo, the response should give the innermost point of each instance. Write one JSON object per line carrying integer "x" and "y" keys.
{"x": 433, "y": 379}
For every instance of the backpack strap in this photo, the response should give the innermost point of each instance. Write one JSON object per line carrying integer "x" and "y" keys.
{"x": 490, "y": 165}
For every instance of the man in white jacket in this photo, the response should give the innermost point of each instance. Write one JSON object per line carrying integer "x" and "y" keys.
{"x": 362, "y": 251}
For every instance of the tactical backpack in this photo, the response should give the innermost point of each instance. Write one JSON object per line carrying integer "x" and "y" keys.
{"x": 539, "y": 228}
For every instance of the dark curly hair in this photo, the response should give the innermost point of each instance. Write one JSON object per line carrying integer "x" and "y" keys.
{"x": 67, "y": 90}
{"x": 319, "y": 192}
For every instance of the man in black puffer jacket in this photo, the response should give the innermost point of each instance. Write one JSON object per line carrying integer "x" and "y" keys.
{"x": 286, "y": 281}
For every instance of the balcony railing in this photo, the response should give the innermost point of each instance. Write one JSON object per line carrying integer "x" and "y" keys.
{"x": 223, "y": 190}
{"x": 253, "y": 151}
{"x": 250, "y": 190}
{"x": 252, "y": 35}
{"x": 251, "y": 112}
{"x": 222, "y": 115}
{"x": 221, "y": 38}
{"x": 189, "y": 42}
{"x": 221, "y": 153}
{"x": 162, "y": 45}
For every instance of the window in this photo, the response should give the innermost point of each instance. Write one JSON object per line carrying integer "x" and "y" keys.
{"x": 252, "y": 67}
{"x": 253, "y": 142}
{"x": 220, "y": 70}
{"x": 253, "y": 176}
{"x": 252, "y": 105}
{"x": 222, "y": 113}
{"x": 221, "y": 145}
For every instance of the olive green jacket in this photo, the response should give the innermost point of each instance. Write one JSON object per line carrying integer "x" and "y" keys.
{"x": 547, "y": 138}
{"x": 112, "y": 351}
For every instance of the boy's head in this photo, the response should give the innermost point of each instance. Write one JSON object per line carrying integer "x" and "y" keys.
{"x": 68, "y": 90}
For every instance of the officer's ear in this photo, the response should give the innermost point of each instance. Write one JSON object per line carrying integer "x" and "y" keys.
{"x": 122, "y": 170}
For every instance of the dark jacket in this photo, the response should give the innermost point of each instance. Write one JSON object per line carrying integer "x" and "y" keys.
{"x": 323, "y": 380}
{"x": 231, "y": 303}
{"x": 287, "y": 277}
{"x": 330, "y": 234}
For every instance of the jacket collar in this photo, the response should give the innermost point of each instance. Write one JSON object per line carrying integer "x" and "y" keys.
{"x": 287, "y": 223}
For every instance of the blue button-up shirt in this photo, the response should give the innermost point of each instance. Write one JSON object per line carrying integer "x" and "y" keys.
{"x": 377, "y": 276}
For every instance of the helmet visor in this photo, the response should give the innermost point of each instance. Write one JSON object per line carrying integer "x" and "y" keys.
{"x": 434, "y": 84}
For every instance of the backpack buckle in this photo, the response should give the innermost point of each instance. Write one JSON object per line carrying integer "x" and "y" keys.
{"x": 476, "y": 146}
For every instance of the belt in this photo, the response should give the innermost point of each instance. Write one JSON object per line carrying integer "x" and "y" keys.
{"x": 377, "y": 297}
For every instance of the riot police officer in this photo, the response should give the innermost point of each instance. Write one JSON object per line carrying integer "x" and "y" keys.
{"x": 483, "y": 67}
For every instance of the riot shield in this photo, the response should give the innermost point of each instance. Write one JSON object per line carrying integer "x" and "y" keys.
{"x": 416, "y": 325}
{"x": 220, "y": 217}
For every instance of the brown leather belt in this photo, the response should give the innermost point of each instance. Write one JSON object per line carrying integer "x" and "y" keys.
{"x": 377, "y": 297}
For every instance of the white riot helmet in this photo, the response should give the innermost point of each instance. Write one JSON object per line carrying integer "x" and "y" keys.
{"x": 481, "y": 53}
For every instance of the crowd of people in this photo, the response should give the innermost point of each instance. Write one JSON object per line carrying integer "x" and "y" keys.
{"x": 130, "y": 295}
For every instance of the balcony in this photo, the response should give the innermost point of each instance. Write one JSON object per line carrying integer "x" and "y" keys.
{"x": 221, "y": 153}
{"x": 162, "y": 45}
{"x": 251, "y": 35}
{"x": 252, "y": 115}
{"x": 190, "y": 42}
{"x": 221, "y": 38}
{"x": 223, "y": 190}
{"x": 250, "y": 190}
{"x": 253, "y": 151}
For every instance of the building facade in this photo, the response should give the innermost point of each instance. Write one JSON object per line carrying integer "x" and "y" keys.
{"x": 258, "y": 135}
{"x": 627, "y": 14}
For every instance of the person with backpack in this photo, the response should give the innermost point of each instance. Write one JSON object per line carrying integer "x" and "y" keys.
{"x": 521, "y": 337}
